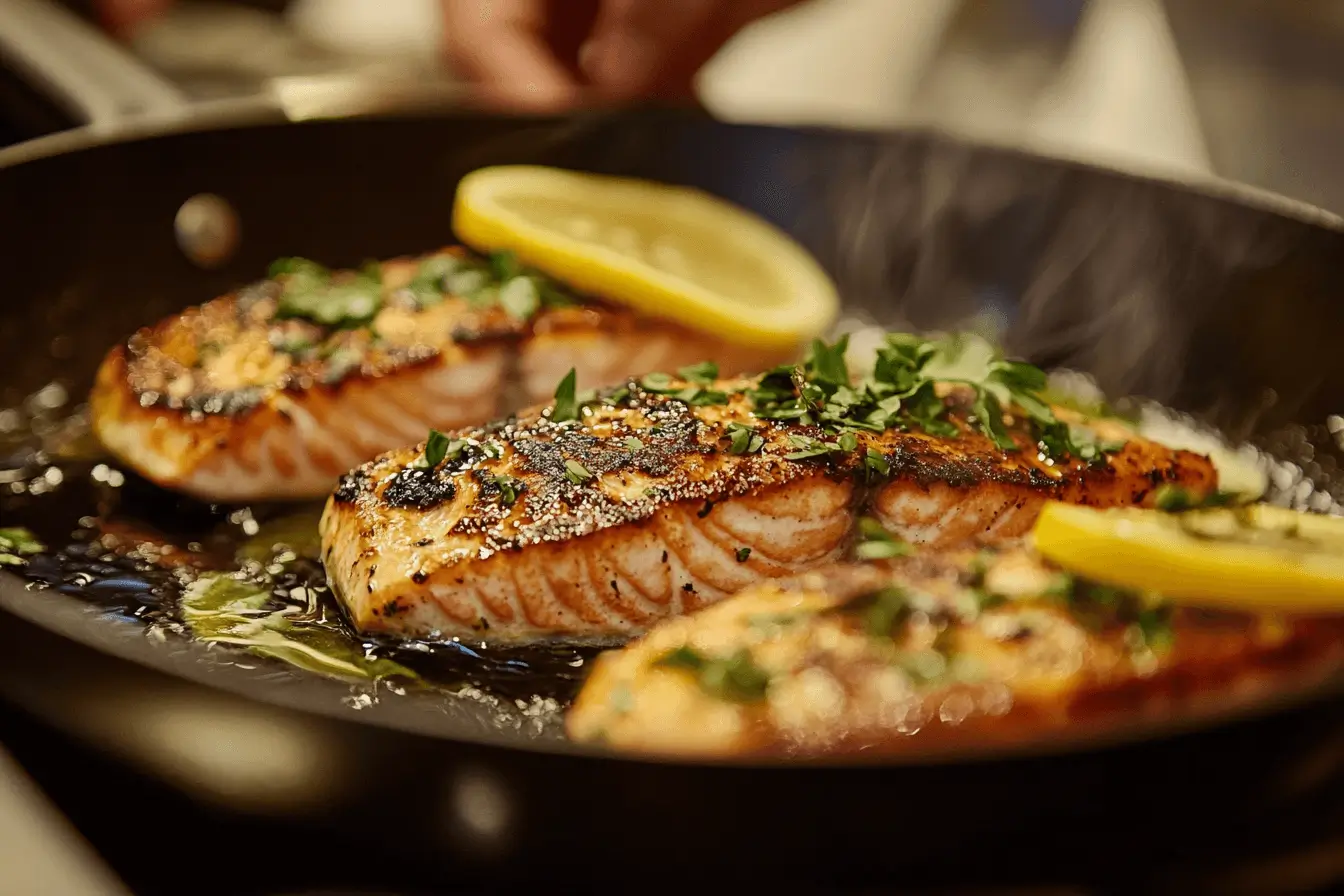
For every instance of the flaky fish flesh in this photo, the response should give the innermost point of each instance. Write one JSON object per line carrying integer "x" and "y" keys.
{"x": 668, "y": 494}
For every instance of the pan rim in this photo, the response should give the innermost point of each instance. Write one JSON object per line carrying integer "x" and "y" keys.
{"x": 68, "y": 617}
{"x": 268, "y": 111}
{"x": 57, "y": 613}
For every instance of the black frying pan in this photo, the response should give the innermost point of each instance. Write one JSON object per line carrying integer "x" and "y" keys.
{"x": 1211, "y": 299}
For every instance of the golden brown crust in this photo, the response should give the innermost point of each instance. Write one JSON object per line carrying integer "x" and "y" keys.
{"x": 228, "y": 401}
{"x": 414, "y": 551}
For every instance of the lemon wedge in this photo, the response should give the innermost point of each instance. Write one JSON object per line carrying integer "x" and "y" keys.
{"x": 671, "y": 252}
{"x": 1254, "y": 558}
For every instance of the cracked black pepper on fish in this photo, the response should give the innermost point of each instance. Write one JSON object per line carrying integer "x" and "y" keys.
{"x": 636, "y": 504}
{"x": 273, "y": 391}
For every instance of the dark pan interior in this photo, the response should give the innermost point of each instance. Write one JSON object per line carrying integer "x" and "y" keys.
{"x": 1224, "y": 307}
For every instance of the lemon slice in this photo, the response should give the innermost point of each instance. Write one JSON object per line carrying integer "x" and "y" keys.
{"x": 668, "y": 251}
{"x": 1250, "y": 558}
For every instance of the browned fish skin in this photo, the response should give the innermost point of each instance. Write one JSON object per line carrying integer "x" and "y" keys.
{"x": 933, "y": 505}
{"x": 664, "y": 524}
{"x": 226, "y": 402}
{"x": 957, "y": 672}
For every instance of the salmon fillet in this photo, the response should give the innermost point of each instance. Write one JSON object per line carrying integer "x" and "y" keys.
{"x": 942, "y": 651}
{"x": 656, "y": 502}
{"x": 245, "y": 398}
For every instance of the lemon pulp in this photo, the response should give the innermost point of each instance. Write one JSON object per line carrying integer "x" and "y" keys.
{"x": 1254, "y": 558}
{"x": 671, "y": 252}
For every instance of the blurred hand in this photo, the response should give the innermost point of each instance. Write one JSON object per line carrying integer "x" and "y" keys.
{"x": 542, "y": 53}
{"x": 121, "y": 16}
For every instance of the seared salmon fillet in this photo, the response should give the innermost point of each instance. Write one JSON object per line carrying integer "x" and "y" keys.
{"x": 668, "y": 494}
{"x": 273, "y": 391}
{"x": 956, "y": 649}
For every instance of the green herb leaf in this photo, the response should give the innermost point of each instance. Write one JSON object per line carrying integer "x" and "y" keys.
{"x": 509, "y": 489}
{"x": 826, "y": 363}
{"x": 882, "y": 609}
{"x": 504, "y": 265}
{"x": 743, "y": 439}
{"x": 350, "y": 304}
{"x": 989, "y": 414}
{"x": 875, "y": 466}
{"x": 699, "y": 398}
{"x": 703, "y": 374}
{"x": 1018, "y": 376}
{"x": 682, "y": 657}
{"x": 1155, "y": 629}
{"x": 437, "y": 447}
{"x": 466, "y": 282}
{"x": 848, "y": 441}
{"x": 881, "y": 550}
{"x": 876, "y": 543}
{"x": 633, "y": 444}
{"x": 576, "y": 472}
{"x": 656, "y": 382}
{"x": 736, "y": 678}
{"x": 16, "y": 543}
{"x": 297, "y": 266}
{"x": 807, "y": 447}
{"x": 566, "y": 403}
{"x": 224, "y": 610}
{"x": 520, "y": 298}
{"x": 743, "y": 554}
{"x": 1173, "y": 498}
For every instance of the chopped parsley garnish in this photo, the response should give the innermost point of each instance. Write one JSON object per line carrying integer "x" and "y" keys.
{"x": 736, "y": 678}
{"x": 743, "y": 554}
{"x": 294, "y": 345}
{"x": 576, "y": 472}
{"x": 1154, "y": 628}
{"x": 520, "y": 297}
{"x": 17, "y": 543}
{"x": 633, "y": 444}
{"x": 882, "y": 609}
{"x": 702, "y": 374}
{"x": 900, "y": 393}
{"x": 566, "y": 402}
{"x": 806, "y": 447}
{"x": 656, "y": 382}
{"x": 876, "y": 543}
{"x": 875, "y": 466}
{"x": 742, "y": 439}
{"x": 438, "y": 447}
{"x": 429, "y": 285}
{"x": 509, "y": 489}
{"x": 504, "y": 265}
{"x": 345, "y": 304}
{"x": 696, "y": 395}
{"x": 1175, "y": 499}
{"x": 297, "y": 267}
{"x": 312, "y": 292}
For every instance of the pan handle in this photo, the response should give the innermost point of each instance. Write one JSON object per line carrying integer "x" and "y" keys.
{"x": 77, "y": 66}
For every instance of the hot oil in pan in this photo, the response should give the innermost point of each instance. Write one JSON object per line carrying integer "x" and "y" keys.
{"x": 245, "y": 579}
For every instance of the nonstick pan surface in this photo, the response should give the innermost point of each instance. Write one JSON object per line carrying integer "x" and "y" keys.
{"x": 1214, "y": 302}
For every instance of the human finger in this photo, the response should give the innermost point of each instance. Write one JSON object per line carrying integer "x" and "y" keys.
{"x": 501, "y": 46}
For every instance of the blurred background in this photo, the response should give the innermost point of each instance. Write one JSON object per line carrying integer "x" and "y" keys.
{"x": 1245, "y": 89}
